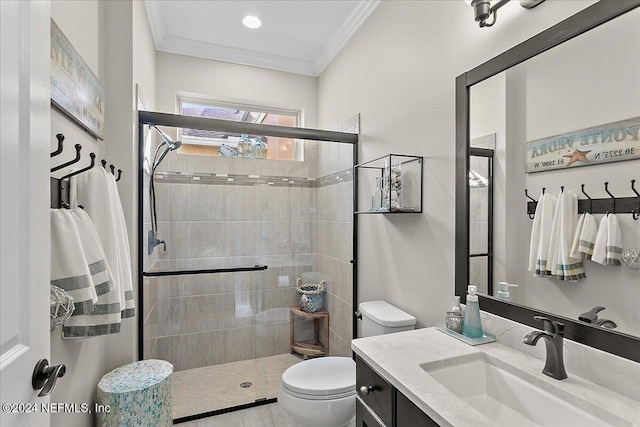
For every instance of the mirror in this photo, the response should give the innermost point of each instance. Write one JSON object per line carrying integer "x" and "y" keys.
{"x": 533, "y": 92}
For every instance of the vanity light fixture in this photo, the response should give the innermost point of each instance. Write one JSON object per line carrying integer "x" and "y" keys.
{"x": 251, "y": 21}
{"x": 484, "y": 9}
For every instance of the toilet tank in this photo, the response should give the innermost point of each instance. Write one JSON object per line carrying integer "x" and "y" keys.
{"x": 380, "y": 317}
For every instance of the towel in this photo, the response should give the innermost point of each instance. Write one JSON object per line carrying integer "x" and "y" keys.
{"x": 128, "y": 309}
{"x": 93, "y": 252}
{"x": 541, "y": 234}
{"x": 559, "y": 259}
{"x": 69, "y": 268}
{"x": 93, "y": 189}
{"x": 585, "y": 237}
{"x": 608, "y": 245}
{"x": 105, "y": 316}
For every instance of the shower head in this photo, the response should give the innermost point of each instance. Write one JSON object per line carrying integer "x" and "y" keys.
{"x": 166, "y": 139}
{"x": 168, "y": 142}
{"x": 171, "y": 146}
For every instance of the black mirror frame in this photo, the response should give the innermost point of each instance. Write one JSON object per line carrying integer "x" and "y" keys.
{"x": 614, "y": 342}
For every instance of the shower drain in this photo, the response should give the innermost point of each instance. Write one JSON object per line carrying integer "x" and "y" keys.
{"x": 245, "y": 384}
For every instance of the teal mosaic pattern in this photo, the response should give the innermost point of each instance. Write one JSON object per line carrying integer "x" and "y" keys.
{"x": 137, "y": 395}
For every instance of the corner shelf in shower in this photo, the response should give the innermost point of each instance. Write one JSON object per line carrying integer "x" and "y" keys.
{"x": 315, "y": 347}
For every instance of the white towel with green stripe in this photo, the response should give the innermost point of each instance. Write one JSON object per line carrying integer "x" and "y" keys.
{"x": 104, "y": 318}
{"x": 608, "y": 246}
{"x": 93, "y": 252}
{"x": 128, "y": 310}
{"x": 541, "y": 235}
{"x": 562, "y": 265}
{"x": 69, "y": 267}
{"x": 585, "y": 237}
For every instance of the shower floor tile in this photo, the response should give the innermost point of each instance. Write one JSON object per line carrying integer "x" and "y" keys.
{"x": 200, "y": 390}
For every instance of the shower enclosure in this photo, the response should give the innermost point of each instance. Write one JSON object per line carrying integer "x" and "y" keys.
{"x": 218, "y": 266}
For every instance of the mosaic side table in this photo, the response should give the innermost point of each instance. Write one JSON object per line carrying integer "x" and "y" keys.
{"x": 137, "y": 394}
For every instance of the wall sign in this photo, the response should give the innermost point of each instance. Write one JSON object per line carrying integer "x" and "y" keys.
{"x": 612, "y": 142}
{"x": 75, "y": 90}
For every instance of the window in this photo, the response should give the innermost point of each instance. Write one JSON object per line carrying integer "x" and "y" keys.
{"x": 202, "y": 142}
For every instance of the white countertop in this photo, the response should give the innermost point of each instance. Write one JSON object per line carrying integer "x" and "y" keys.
{"x": 397, "y": 358}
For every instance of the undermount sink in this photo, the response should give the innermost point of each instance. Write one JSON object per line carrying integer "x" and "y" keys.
{"x": 512, "y": 397}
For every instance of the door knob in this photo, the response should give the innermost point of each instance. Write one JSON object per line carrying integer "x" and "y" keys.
{"x": 44, "y": 376}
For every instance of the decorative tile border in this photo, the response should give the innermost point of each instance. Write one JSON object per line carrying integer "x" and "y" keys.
{"x": 253, "y": 180}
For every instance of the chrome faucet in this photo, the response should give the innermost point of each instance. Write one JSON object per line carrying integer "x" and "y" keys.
{"x": 553, "y": 333}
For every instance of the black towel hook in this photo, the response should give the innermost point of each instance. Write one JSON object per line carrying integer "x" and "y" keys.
{"x": 103, "y": 162}
{"x": 535, "y": 203}
{"x": 562, "y": 188}
{"x": 543, "y": 190}
{"x": 93, "y": 162}
{"x": 613, "y": 199}
{"x": 113, "y": 169}
{"x": 78, "y": 147}
{"x": 58, "y": 150}
{"x": 590, "y": 200}
{"x": 119, "y": 175}
{"x": 636, "y": 212}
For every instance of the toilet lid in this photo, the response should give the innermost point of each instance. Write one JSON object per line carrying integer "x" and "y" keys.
{"x": 323, "y": 376}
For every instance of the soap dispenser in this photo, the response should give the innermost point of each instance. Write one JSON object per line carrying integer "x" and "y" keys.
{"x": 471, "y": 326}
{"x": 503, "y": 290}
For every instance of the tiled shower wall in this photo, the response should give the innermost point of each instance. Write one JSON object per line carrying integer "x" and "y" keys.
{"x": 299, "y": 227}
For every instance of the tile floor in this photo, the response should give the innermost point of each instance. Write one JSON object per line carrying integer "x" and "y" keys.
{"x": 270, "y": 415}
{"x": 210, "y": 388}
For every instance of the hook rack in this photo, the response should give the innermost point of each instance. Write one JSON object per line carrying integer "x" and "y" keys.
{"x": 58, "y": 150}
{"x": 535, "y": 203}
{"x": 611, "y": 204}
{"x": 636, "y": 212}
{"x": 76, "y": 159}
{"x": 58, "y": 186}
{"x": 613, "y": 199}
{"x": 589, "y": 198}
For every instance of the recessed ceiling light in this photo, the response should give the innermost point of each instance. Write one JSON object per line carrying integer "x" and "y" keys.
{"x": 251, "y": 21}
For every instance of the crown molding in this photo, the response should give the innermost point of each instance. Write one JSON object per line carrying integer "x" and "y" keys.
{"x": 342, "y": 36}
{"x": 237, "y": 56}
{"x": 216, "y": 52}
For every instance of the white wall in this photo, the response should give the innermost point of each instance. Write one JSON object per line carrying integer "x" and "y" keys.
{"x": 82, "y": 24}
{"x": 226, "y": 81}
{"x": 115, "y": 41}
{"x": 399, "y": 71}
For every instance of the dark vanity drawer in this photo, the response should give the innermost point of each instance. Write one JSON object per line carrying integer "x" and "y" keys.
{"x": 364, "y": 417}
{"x": 374, "y": 391}
{"x": 409, "y": 415}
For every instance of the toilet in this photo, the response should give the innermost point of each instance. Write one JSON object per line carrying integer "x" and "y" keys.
{"x": 321, "y": 392}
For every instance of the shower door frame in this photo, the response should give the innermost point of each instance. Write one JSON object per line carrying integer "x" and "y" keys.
{"x": 200, "y": 123}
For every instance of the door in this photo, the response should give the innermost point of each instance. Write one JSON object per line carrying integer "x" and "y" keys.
{"x": 24, "y": 206}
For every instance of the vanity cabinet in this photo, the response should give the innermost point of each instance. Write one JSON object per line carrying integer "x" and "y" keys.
{"x": 381, "y": 404}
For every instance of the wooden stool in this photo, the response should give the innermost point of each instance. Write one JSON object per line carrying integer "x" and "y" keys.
{"x": 311, "y": 348}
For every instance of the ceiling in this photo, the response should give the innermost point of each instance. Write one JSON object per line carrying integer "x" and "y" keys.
{"x": 298, "y": 36}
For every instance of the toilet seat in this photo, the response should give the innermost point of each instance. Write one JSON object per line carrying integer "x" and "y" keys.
{"x": 321, "y": 379}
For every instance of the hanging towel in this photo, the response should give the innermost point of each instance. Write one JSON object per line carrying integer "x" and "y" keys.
{"x": 541, "y": 234}
{"x": 600, "y": 245}
{"x": 608, "y": 246}
{"x": 585, "y": 237}
{"x": 93, "y": 252}
{"x": 69, "y": 268}
{"x": 614, "y": 241}
{"x": 123, "y": 248}
{"x": 559, "y": 259}
{"x": 105, "y": 316}
{"x": 91, "y": 189}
